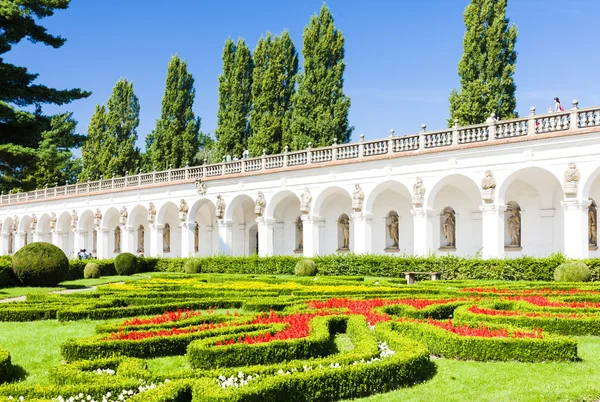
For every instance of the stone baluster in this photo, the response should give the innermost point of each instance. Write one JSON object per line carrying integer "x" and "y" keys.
{"x": 531, "y": 124}
{"x": 455, "y": 132}
{"x": 187, "y": 170}
{"x": 285, "y": 155}
{"x": 264, "y": 159}
{"x": 112, "y": 181}
{"x": 361, "y": 146}
{"x": 309, "y": 153}
{"x": 491, "y": 122}
{"x": 422, "y": 137}
{"x": 574, "y": 116}
{"x": 391, "y": 142}
{"x": 334, "y": 150}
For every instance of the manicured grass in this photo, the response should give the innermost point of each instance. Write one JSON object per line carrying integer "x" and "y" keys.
{"x": 16, "y": 292}
{"x": 506, "y": 381}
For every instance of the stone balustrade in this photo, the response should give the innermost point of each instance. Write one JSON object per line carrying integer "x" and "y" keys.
{"x": 448, "y": 139}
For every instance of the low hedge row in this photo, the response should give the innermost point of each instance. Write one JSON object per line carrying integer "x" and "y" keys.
{"x": 447, "y": 344}
{"x": 5, "y": 366}
{"x": 558, "y": 323}
{"x": 435, "y": 311}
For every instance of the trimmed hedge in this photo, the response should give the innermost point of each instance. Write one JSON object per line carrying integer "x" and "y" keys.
{"x": 91, "y": 270}
{"x": 573, "y": 271}
{"x": 193, "y": 266}
{"x": 447, "y": 344}
{"x": 5, "y": 366}
{"x": 306, "y": 267}
{"x": 7, "y": 276}
{"x": 126, "y": 264}
{"x": 40, "y": 264}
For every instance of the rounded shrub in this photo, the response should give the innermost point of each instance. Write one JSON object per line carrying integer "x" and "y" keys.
{"x": 126, "y": 264}
{"x": 40, "y": 264}
{"x": 306, "y": 268}
{"x": 91, "y": 270}
{"x": 572, "y": 272}
{"x": 193, "y": 266}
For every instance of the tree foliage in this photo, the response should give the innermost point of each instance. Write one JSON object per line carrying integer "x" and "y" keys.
{"x": 94, "y": 151}
{"x": 487, "y": 66}
{"x": 175, "y": 140}
{"x": 320, "y": 107}
{"x": 235, "y": 98}
{"x": 273, "y": 84}
{"x": 21, "y": 129}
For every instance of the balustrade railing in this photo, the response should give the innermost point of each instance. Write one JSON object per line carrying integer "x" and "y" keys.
{"x": 487, "y": 132}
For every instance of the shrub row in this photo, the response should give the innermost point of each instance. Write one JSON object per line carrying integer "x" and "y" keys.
{"x": 447, "y": 344}
{"x": 5, "y": 366}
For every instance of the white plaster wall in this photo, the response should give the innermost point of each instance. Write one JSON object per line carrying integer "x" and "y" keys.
{"x": 386, "y": 201}
{"x": 333, "y": 207}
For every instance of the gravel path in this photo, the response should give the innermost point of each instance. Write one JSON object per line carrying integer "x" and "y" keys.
{"x": 56, "y": 292}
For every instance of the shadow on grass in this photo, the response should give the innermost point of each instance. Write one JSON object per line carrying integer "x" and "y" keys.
{"x": 74, "y": 286}
{"x": 18, "y": 373}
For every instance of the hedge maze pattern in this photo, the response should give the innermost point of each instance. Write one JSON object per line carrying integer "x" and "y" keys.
{"x": 245, "y": 338}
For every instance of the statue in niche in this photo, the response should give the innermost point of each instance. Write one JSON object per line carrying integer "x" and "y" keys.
{"x": 15, "y": 226}
{"x": 117, "y": 239}
{"x": 357, "y": 198}
{"x": 95, "y": 241}
{"x": 151, "y": 213}
{"x": 74, "y": 219}
{"x": 394, "y": 229}
{"x": 450, "y": 227}
{"x": 183, "y": 210}
{"x": 261, "y": 203}
{"x": 344, "y": 224}
{"x": 220, "y": 208}
{"x": 53, "y": 220}
{"x": 488, "y": 182}
{"x": 201, "y": 187}
{"x": 514, "y": 223}
{"x": 418, "y": 192}
{"x": 0, "y": 225}
{"x": 305, "y": 201}
{"x": 167, "y": 238}
{"x": 97, "y": 218}
{"x": 141, "y": 235}
{"x": 33, "y": 223}
{"x": 196, "y": 236}
{"x": 593, "y": 224}
{"x": 300, "y": 227}
{"x": 123, "y": 216}
{"x": 572, "y": 174}
{"x": 10, "y": 243}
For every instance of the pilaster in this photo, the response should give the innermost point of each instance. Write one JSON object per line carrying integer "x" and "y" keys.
{"x": 492, "y": 230}
{"x": 576, "y": 228}
{"x": 422, "y": 231}
{"x": 310, "y": 232}
{"x": 225, "y": 245}
{"x": 362, "y": 233}
{"x": 265, "y": 236}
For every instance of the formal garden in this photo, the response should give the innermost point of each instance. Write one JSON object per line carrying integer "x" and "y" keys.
{"x": 225, "y": 329}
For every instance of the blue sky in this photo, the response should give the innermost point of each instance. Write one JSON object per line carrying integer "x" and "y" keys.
{"x": 401, "y": 55}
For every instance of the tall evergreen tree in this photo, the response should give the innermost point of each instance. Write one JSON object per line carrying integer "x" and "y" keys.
{"x": 487, "y": 66}
{"x": 320, "y": 108}
{"x": 273, "y": 84}
{"x": 94, "y": 151}
{"x": 122, "y": 120}
{"x": 175, "y": 140}
{"x": 235, "y": 98}
{"x": 21, "y": 129}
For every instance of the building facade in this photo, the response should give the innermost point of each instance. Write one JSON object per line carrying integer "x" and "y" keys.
{"x": 526, "y": 186}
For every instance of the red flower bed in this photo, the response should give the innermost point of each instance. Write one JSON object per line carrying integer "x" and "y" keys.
{"x": 544, "y": 302}
{"x": 168, "y": 316}
{"x": 526, "y": 292}
{"x": 481, "y": 331}
{"x": 136, "y": 335}
{"x": 512, "y": 313}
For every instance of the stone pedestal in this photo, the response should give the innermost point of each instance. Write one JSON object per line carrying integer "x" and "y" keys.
{"x": 576, "y": 228}
{"x": 488, "y": 195}
{"x": 570, "y": 189}
{"x": 422, "y": 231}
{"x": 492, "y": 221}
{"x": 362, "y": 233}
{"x": 417, "y": 200}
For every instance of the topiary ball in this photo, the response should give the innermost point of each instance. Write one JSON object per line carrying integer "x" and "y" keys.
{"x": 40, "y": 264}
{"x": 572, "y": 272}
{"x": 306, "y": 268}
{"x": 126, "y": 264}
{"x": 91, "y": 270}
{"x": 193, "y": 266}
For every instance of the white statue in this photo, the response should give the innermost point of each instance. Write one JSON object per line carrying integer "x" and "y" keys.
{"x": 261, "y": 203}
{"x": 300, "y": 226}
{"x": 418, "y": 192}
{"x": 572, "y": 174}
{"x": 183, "y": 210}
{"x": 488, "y": 181}
{"x": 53, "y": 220}
{"x": 74, "y": 219}
{"x": 151, "y": 213}
{"x": 357, "y": 198}
{"x": 123, "y": 217}
{"x": 33, "y": 223}
{"x": 344, "y": 224}
{"x": 15, "y": 227}
{"x": 98, "y": 218}
{"x": 514, "y": 224}
{"x": 450, "y": 227}
{"x": 306, "y": 199}
{"x": 201, "y": 187}
{"x": 220, "y": 208}
{"x": 393, "y": 230}
{"x": 593, "y": 224}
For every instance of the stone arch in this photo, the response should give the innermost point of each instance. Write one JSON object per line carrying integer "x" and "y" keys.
{"x": 539, "y": 193}
{"x": 65, "y": 235}
{"x": 284, "y": 210}
{"x": 8, "y": 239}
{"x": 110, "y": 222}
{"x": 589, "y": 186}
{"x": 202, "y": 214}
{"x": 329, "y": 205}
{"x": 387, "y": 196}
{"x": 240, "y": 213}
{"x": 140, "y": 241}
{"x": 325, "y": 195}
{"x": 168, "y": 214}
{"x": 25, "y": 233}
{"x": 87, "y": 232}
{"x": 43, "y": 228}
{"x": 463, "y": 195}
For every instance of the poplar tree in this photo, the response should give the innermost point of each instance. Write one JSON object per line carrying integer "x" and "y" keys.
{"x": 320, "y": 108}
{"x": 122, "y": 120}
{"x": 175, "y": 139}
{"x": 94, "y": 151}
{"x": 487, "y": 66}
{"x": 273, "y": 84}
{"x": 235, "y": 98}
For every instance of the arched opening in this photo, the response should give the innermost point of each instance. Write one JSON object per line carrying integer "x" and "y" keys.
{"x": 7, "y": 228}
{"x": 25, "y": 230}
{"x": 110, "y": 223}
{"x": 138, "y": 220}
{"x": 330, "y": 205}
{"x": 241, "y": 213}
{"x": 87, "y": 232}
{"x": 284, "y": 209}
{"x": 65, "y": 234}
{"x": 253, "y": 239}
{"x": 170, "y": 235}
{"x": 206, "y": 234}
{"x": 43, "y": 229}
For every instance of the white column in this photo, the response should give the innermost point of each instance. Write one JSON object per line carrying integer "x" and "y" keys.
{"x": 56, "y": 238}
{"x": 423, "y": 233}
{"x": 310, "y": 233}
{"x": 37, "y": 236}
{"x": 128, "y": 243}
{"x": 492, "y": 231}
{"x": 362, "y": 234}
{"x": 102, "y": 251}
{"x": 19, "y": 240}
{"x": 187, "y": 239}
{"x": 3, "y": 243}
{"x": 265, "y": 236}
{"x": 77, "y": 242}
{"x": 155, "y": 240}
{"x": 576, "y": 228}
{"x": 225, "y": 237}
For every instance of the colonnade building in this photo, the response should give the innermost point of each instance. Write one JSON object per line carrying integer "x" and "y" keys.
{"x": 502, "y": 189}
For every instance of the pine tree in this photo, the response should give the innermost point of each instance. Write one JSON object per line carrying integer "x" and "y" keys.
{"x": 487, "y": 66}
{"x": 122, "y": 120}
{"x": 273, "y": 84}
{"x": 235, "y": 98}
{"x": 22, "y": 129}
{"x": 175, "y": 139}
{"x": 320, "y": 108}
{"x": 94, "y": 151}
